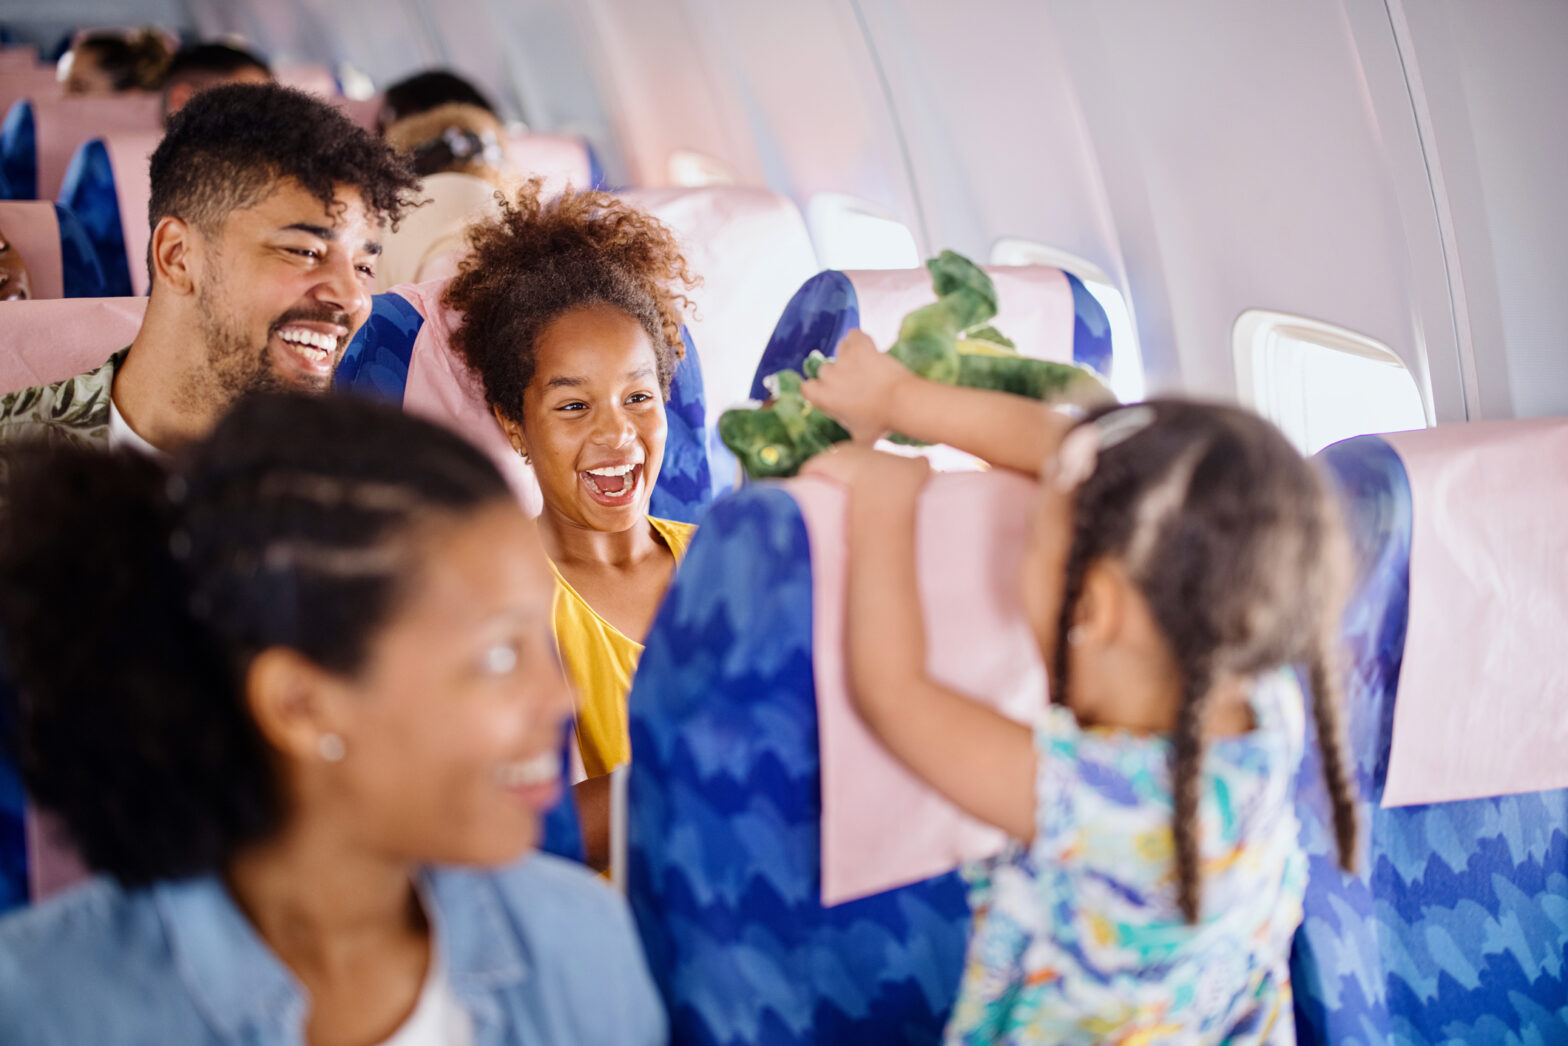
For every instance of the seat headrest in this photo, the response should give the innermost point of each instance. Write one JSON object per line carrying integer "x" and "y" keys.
{"x": 41, "y": 137}
{"x": 61, "y": 260}
{"x": 46, "y": 341}
{"x": 1047, "y": 312}
{"x": 1475, "y": 512}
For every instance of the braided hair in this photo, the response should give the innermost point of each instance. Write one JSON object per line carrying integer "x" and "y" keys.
{"x": 1234, "y": 542}
{"x": 134, "y": 598}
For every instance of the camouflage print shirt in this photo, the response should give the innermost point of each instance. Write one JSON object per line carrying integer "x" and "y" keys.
{"x": 75, "y": 410}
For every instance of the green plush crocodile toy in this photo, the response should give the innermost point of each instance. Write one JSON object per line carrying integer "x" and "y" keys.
{"x": 949, "y": 341}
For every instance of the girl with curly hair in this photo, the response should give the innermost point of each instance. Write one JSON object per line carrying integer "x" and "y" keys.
{"x": 571, "y": 323}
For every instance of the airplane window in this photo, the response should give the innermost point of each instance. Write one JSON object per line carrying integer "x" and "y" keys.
{"x": 1320, "y": 383}
{"x": 850, "y": 233}
{"x": 1126, "y": 377}
{"x": 693, "y": 170}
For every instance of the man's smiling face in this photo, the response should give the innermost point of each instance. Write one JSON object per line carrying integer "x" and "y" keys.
{"x": 283, "y": 286}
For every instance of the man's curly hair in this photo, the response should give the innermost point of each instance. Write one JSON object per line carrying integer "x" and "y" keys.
{"x": 540, "y": 258}
{"x": 228, "y": 148}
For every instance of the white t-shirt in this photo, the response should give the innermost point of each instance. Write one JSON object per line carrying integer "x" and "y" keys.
{"x": 122, "y": 435}
{"x": 438, "y": 1019}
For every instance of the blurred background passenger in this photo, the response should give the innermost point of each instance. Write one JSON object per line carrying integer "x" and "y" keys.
{"x": 200, "y": 66}
{"x": 310, "y": 748}
{"x": 111, "y": 63}
{"x": 14, "y": 282}
{"x": 571, "y": 323}
{"x": 450, "y": 132}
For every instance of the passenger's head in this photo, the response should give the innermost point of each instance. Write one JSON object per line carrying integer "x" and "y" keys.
{"x": 425, "y": 91}
{"x": 266, "y": 211}
{"x": 325, "y": 610}
{"x": 571, "y": 323}
{"x": 15, "y": 284}
{"x": 200, "y": 66}
{"x": 109, "y": 63}
{"x": 444, "y": 125}
{"x": 1203, "y": 522}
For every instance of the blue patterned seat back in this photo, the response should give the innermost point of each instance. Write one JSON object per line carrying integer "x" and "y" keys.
{"x": 19, "y": 151}
{"x": 80, "y": 270}
{"x": 827, "y": 307}
{"x": 377, "y": 363}
{"x": 1456, "y": 928}
{"x": 724, "y": 812}
{"x": 88, "y": 190}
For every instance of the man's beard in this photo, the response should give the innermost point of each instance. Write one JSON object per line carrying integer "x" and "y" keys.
{"x": 236, "y": 367}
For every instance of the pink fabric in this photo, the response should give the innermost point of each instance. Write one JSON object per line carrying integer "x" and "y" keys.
{"x": 315, "y": 79}
{"x": 129, "y": 154}
{"x": 881, "y": 826}
{"x": 16, "y": 84}
{"x": 361, "y": 110}
{"x": 1484, "y": 684}
{"x": 53, "y": 864}
{"x": 64, "y": 124}
{"x": 47, "y": 340}
{"x": 752, "y": 251}
{"x": 440, "y": 389}
{"x": 21, "y": 56}
{"x": 31, "y": 225}
{"x": 560, "y": 159}
{"x": 1036, "y": 305}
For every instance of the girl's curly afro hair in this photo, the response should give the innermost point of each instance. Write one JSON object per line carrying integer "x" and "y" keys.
{"x": 540, "y": 258}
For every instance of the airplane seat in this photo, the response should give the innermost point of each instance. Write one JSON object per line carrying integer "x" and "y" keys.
{"x": 751, "y": 248}
{"x": 402, "y": 355}
{"x": 792, "y": 883}
{"x": 431, "y": 239}
{"x": 561, "y": 160}
{"x": 46, "y": 340}
{"x": 1047, "y": 312}
{"x": 309, "y": 77}
{"x": 17, "y": 84}
{"x": 39, "y": 138}
{"x": 1455, "y": 928}
{"x": 61, "y": 261}
{"x": 108, "y": 186}
{"x": 361, "y": 110}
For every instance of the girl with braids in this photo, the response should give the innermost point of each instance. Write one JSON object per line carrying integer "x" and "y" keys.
{"x": 1182, "y": 557}
{"x": 571, "y": 324}
{"x": 279, "y": 695}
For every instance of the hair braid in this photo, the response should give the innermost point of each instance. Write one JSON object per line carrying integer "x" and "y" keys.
{"x": 1323, "y": 680}
{"x": 1186, "y": 777}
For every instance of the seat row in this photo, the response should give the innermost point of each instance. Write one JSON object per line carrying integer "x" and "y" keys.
{"x": 90, "y": 155}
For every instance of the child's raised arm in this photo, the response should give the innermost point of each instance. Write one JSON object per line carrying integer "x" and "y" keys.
{"x": 872, "y": 394}
{"x": 980, "y": 760}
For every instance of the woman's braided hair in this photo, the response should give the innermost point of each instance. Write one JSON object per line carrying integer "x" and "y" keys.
{"x": 133, "y": 599}
{"x": 1232, "y": 538}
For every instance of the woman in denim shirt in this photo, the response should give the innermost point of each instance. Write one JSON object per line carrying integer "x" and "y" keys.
{"x": 296, "y": 698}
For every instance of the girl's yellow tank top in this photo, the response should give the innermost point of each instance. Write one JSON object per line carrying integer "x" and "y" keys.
{"x": 600, "y": 663}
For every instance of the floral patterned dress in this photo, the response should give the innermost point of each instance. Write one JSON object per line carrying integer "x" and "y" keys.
{"x": 1078, "y": 938}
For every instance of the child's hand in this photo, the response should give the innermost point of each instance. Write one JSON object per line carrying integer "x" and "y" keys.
{"x": 856, "y": 466}
{"x": 856, "y": 387}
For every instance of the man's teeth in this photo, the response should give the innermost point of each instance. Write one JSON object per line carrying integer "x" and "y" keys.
{"x": 613, "y": 470}
{"x": 318, "y": 343}
{"x": 524, "y": 773}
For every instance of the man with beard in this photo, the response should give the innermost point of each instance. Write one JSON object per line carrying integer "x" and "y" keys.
{"x": 266, "y": 210}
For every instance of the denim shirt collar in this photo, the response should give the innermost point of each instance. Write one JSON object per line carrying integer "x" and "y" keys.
{"x": 237, "y": 981}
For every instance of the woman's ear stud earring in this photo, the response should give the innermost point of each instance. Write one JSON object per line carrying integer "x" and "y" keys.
{"x": 1075, "y": 635}
{"x": 331, "y": 748}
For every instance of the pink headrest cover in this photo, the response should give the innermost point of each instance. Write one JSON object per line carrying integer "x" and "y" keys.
{"x": 46, "y": 341}
{"x": 129, "y": 155}
{"x": 440, "y": 389}
{"x": 751, "y": 248}
{"x": 1036, "y": 305}
{"x": 33, "y": 228}
{"x": 561, "y": 160}
{"x": 1482, "y": 691}
{"x": 64, "y": 124}
{"x": 882, "y": 827}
